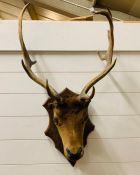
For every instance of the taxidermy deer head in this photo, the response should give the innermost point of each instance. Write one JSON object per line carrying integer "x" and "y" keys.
{"x": 69, "y": 123}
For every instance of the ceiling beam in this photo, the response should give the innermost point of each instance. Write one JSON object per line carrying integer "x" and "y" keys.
{"x": 16, "y": 3}
{"x": 31, "y": 11}
{"x": 1, "y": 16}
{"x": 12, "y": 10}
{"x": 131, "y": 7}
{"x": 5, "y": 16}
{"x": 44, "y": 18}
{"x": 50, "y": 14}
{"x": 82, "y": 18}
{"x": 64, "y": 8}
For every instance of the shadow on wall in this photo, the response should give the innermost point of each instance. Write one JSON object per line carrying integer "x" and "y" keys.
{"x": 125, "y": 96}
{"x": 102, "y": 162}
{"x": 97, "y": 158}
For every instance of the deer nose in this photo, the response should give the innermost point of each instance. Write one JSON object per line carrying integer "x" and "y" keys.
{"x": 75, "y": 156}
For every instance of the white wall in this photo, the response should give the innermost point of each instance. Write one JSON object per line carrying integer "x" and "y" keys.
{"x": 114, "y": 147}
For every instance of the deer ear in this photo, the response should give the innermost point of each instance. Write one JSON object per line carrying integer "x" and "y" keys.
{"x": 86, "y": 98}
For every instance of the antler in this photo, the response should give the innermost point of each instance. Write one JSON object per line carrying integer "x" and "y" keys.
{"x": 29, "y": 63}
{"x": 108, "y": 57}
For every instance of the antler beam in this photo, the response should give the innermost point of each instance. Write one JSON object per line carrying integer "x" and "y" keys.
{"x": 29, "y": 63}
{"x": 107, "y": 57}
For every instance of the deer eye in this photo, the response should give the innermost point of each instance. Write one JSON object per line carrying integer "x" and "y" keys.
{"x": 56, "y": 121}
{"x": 84, "y": 120}
{"x": 56, "y": 104}
{"x": 50, "y": 106}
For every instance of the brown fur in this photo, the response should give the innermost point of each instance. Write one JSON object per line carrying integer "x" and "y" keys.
{"x": 52, "y": 130}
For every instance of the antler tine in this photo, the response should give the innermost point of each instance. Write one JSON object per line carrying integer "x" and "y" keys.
{"x": 28, "y": 62}
{"x": 108, "y": 56}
